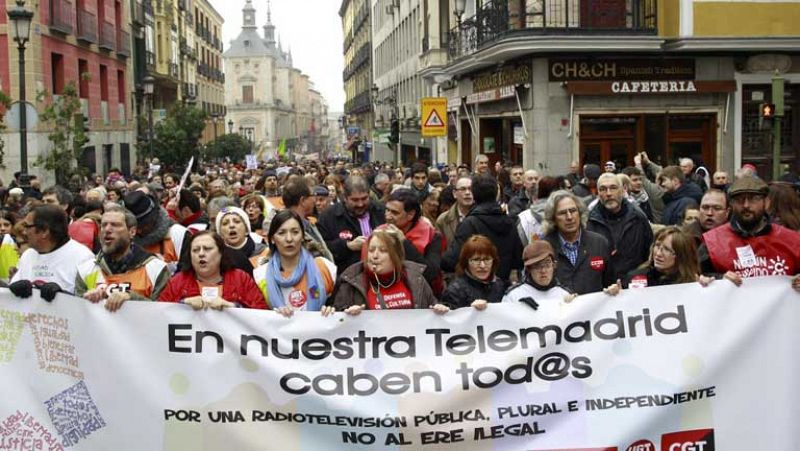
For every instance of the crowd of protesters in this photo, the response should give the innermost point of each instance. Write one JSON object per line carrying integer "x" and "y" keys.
{"x": 334, "y": 236}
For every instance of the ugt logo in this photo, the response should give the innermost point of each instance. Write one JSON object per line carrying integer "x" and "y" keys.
{"x": 641, "y": 445}
{"x": 696, "y": 440}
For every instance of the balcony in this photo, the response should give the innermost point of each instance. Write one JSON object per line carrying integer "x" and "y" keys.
{"x": 497, "y": 20}
{"x": 107, "y": 36}
{"x": 361, "y": 103}
{"x": 62, "y": 16}
{"x": 87, "y": 27}
{"x": 123, "y": 43}
{"x": 173, "y": 69}
{"x": 150, "y": 60}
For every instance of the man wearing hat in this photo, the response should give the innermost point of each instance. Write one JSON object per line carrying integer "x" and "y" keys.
{"x": 750, "y": 245}
{"x": 322, "y": 200}
{"x": 157, "y": 233}
{"x": 586, "y": 189}
{"x": 540, "y": 281}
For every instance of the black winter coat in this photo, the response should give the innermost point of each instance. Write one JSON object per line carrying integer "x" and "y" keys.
{"x": 628, "y": 233}
{"x": 593, "y": 269}
{"x": 489, "y": 220}
{"x": 465, "y": 289}
{"x": 337, "y": 227}
{"x": 679, "y": 200}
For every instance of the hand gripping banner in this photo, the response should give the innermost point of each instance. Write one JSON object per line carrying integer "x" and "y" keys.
{"x": 678, "y": 368}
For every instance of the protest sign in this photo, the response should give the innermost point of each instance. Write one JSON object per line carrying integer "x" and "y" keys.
{"x": 670, "y": 368}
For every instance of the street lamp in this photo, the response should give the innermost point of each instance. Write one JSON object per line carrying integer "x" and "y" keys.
{"x": 461, "y": 5}
{"x": 214, "y": 119}
{"x": 149, "y": 83}
{"x": 21, "y": 19}
{"x": 230, "y": 126}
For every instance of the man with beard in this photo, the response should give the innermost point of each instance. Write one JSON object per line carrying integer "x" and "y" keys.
{"x": 714, "y": 212}
{"x": 750, "y": 245}
{"x": 680, "y": 193}
{"x": 622, "y": 223}
{"x": 122, "y": 270}
{"x": 346, "y": 226}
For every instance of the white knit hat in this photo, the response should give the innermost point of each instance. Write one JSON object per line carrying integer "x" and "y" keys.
{"x": 232, "y": 210}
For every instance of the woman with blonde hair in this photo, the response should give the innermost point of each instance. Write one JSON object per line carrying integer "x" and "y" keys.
{"x": 383, "y": 281}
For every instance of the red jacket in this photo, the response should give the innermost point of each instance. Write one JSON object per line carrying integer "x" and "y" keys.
{"x": 237, "y": 287}
{"x": 776, "y": 252}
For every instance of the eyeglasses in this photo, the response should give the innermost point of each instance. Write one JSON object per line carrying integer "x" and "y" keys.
{"x": 477, "y": 261}
{"x": 658, "y": 247}
{"x": 543, "y": 265}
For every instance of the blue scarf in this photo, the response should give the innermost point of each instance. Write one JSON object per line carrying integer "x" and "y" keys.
{"x": 315, "y": 294}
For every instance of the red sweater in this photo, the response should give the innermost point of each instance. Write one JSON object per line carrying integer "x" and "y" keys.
{"x": 237, "y": 287}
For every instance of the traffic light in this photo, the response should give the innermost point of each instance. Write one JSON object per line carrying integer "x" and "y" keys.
{"x": 768, "y": 110}
{"x": 394, "y": 133}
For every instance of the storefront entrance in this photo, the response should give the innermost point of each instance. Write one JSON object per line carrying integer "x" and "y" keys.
{"x": 665, "y": 137}
{"x": 497, "y": 140}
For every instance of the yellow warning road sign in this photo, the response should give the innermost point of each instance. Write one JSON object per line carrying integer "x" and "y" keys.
{"x": 434, "y": 116}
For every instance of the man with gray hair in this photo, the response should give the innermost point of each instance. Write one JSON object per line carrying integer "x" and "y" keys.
{"x": 121, "y": 271}
{"x": 378, "y": 191}
{"x": 687, "y": 166}
{"x": 583, "y": 258}
{"x": 346, "y": 225}
{"x": 482, "y": 165}
{"x": 622, "y": 223}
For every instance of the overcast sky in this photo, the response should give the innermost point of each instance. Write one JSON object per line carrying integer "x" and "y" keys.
{"x": 313, "y": 30}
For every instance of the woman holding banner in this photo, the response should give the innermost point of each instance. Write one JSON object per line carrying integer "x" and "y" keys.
{"x": 208, "y": 278}
{"x": 673, "y": 260}
{"x": 540, "y": 285}
{"x": 293, "y": 279}
{"x": 476, "y": 283}
{"x": 384, "y": 281}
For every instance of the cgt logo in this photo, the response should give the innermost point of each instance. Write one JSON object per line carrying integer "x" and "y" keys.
{"x": 641, "y": 445}
{"x": 696, "y": 440}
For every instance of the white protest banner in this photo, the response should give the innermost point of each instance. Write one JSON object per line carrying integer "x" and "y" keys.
{"x": 679, "y": 368}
